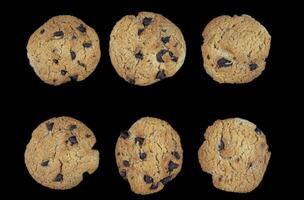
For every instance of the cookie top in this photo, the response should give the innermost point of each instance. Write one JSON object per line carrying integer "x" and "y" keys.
{"x": 235, "y": 153}
{"x": 63, "y": 49}
{"x": 235, "y": 48}
{"x": 146, "y": 48}
{"x": 60, "y": 151}
{"x": 149, "y": 155}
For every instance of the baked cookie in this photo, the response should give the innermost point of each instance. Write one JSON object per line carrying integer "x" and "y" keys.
{"x": 235, "y": 153}
{"x": 63, "y": 49}
{"x": 235, "y": 49}
{"x": 149, "y": 155}
{"x": 60, "y": 151}
{"x": 146, "y": 48}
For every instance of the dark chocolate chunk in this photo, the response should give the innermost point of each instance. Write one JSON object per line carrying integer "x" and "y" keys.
{"x": 253, "y": 66}
{"x": 172, "y": 166}
{"x": 221, "y": 146}
{"x": 81, "y": 64}
{"x": 142, "y": 155}
{"x": 159, "y": 55}
{"x": 124, "y": 134}
{"x": 148, "y": 179}
{"x": 223, "y": 62}
{"x": 126, "y": 163}
{"x": 74, "y": 37}
{"x": 58, "y": 178}
{"x": 139, "y": 140}
{"x": 88, "y": 135}
{"x": 63, "y": 72}
{"x": 176, "y": 155}
{"x": 42, "y": 31}
{"x": 49, "y": 126}
{"x": 73, "y": 140}
{"x": 58, "y": 34}
{"x": 72, "y": 127}
{"x": 161, "y": 75}
{"x": 81, "y": 28}
{"x": 140, "y": 31}
{"x": 74, "y": 77}
{"x": 45, "y": 163}
{"x": 173, "y": 57}
{"x": 166, "y": 180}
{"x": 73, "y": 54}
{"x": 55, "y": 61}
{"x": 257, "y": 130}
{"x": 147, "y": 21}
{"x": 154, "y": 186}
{"x": 139, "y": 55}
{"x": 165, "y": 39}
{"x": 87, "y": 45}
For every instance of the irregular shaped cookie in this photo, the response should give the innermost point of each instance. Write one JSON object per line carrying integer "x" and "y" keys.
{"x": 149, "y": 155}
{"x": 146, "y": 48}
{"x": 63, "y": 49}
{"x": 235, "y": 153}
{"x": 235, "y": 49}
{"x": 60, "y": 151}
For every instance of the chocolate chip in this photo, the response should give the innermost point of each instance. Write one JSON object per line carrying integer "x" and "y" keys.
{"x": 123, "y": 173}
{"x": 131, "y": 80}
{"x": 176, "y": 155}
{"x": 154, "y": 186}
{"x": 139, "y": 140}
{"x": 73, "y": 54}
{"x": 147, "y": 21}
{"x": 139, "y": 55}
{"x": 88, "y": 135}
{"x": 49, "y": 126}
{"x": 165, "y": 39}
{"x": 148, "y": 179}
{"x": 161, "y": 75}
{"x": 124, "y": 134}
{"x": 166, "y": 180}
{"x": 45, "y": 163}
{"x": 221, "y": 146}
{"x": 81, "y": 64}
{"x": 172, "y": 166}
{"x": 58, "y": 178}
{"x": 142, "y": 155}
{"x": 223, "y": 62}
{"x": 140, "y": 31}
{"x": 72, "y": 127}
{"x": 42, "y": 31}
{"x": 159, "y": 55}
{"x": 173, "y": 57}
{"x": 250, "y": 165}
{"x": 74, "y": 77}
{"x": 73, "y": 140}
{"x": 253, "y": 66}
{"x": 63, "y": 72}
{"x": 55, "y": 61}
{"x": 74, "y": 37}
{"x": 58, "y": 34}
{"x": 87, "y": 45}
{"x": 81, "y": 28}
{"x": 126, "y": 163}
{"x": 258, "y": 131}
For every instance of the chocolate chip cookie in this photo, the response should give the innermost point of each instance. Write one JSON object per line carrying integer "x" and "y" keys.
{"x": 60, "y": 151}
{"x": 149, "y": 155}
{"x": 146, "y": 48}
{"x": 63, "y": 49}
{"x": 235, "y": 49}
{"x": 235, "y": 153}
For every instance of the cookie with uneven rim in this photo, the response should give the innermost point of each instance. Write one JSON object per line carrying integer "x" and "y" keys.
{"x": 149, "y": 155}
{"x": 235, "y": 153}
{"x": 235, "y": 48}
{"x": 146, "y": 48}
{"x": 60, "y": 151}
{"x": 63, "y": 49}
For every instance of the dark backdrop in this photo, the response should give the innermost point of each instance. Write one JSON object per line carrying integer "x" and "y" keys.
{"x": 190, "y": 101}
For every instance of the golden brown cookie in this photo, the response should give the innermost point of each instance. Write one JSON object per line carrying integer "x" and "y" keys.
{"x": 149, "y": 155}
{"x": 235, "y": 48}
{"x": 235, "y": 153}
{"x": 63, "y": 49}
{"x": 60, "y": 151}
{"x": 146, "y": 48}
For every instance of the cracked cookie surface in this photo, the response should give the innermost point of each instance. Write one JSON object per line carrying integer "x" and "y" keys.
{"x": 146, "y": 48}
{"x": 63, "y": 49}
{"x": 60, "y": 151}
{"x": 235, "y": 153}
{"x": 149, "y": 155}
{"x": 235, "y": 48}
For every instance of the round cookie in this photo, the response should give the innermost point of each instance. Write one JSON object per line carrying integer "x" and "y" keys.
{"x": 149, "y": 155}
{"x": 235, "y": 48}
{"x": 63, "y": 49}
{"x": 146, "y": 48}
{"x": 235, "y": 153}
{"x": 60, "y": 151}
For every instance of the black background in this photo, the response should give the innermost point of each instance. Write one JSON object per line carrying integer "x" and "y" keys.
{"x": 190, "y": 101}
